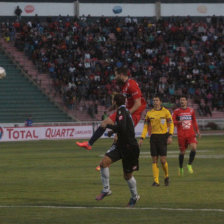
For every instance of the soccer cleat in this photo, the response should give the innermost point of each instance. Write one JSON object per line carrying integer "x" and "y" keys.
{"x": 98, "y": 168}
{"x": 181, "y": 172}
{"x": 132, "y": 201}
{"x": 84, "y": 145}
{"x": 102, "y": 195}
{"x": 189, "y": 167}
{"x": 166, "y": 181}
{"x": 154, "y": 184}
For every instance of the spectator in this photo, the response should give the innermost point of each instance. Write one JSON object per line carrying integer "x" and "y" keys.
{"x": 18, "y": 11}
{"x": 104, "y": 116}
{"x": 172, "y": 56}
{"x": 29, "y": 121}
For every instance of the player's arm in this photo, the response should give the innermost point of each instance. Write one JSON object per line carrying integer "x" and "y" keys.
{"x": 137, "y": 104}
{"x": 121, "y": 123}
{"x": 195, "y": 124}
{"x": 145, "y": 130}
{"x": 170, "y": 125}
{"x": 113, "y": 106}
{"x": 175, "y": 118}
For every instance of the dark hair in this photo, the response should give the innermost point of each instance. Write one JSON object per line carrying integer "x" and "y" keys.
{"x": 157, "y": 96}
{"x": 122, "y": 70}
{"x": 183, "y": 96}
{"x": 119, "y": 99}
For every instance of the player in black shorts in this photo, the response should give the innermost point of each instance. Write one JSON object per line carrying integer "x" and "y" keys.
{"x": 126, "y": 148}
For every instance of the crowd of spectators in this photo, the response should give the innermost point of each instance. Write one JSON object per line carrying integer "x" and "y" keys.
{"x": 171, "y": 57}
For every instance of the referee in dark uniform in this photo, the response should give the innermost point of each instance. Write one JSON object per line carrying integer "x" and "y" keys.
{"x": 127, "y": 147}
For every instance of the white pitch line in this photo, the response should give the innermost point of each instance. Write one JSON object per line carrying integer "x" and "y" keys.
{"x": 176, "y": 152}
{"x": 198, "y": 156}
{"x": 115, "y": 208}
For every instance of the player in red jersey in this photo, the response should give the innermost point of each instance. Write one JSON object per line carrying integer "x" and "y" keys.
{"x": 185, "y": 121}
{"x": 136, "y": 104}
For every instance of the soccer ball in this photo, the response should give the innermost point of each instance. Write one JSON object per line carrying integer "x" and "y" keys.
{"x": 2, "y": 73}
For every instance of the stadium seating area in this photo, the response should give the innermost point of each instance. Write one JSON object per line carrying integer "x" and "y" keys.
{"x": 20, "y": 98}
{"x": 170, "y": 57}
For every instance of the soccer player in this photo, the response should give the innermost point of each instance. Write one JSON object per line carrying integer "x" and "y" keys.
{"x": 185, "y": 121}
{"x": 127, "y": 149}
{"x": 136, "y": 104}
{"x": 157, "y": 122}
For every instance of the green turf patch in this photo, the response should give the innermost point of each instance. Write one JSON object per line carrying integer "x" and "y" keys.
{"x": 58, "y": 173}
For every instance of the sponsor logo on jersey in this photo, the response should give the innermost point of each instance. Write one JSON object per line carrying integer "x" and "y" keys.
{"x": 185, "y": 117}
{"x": 120, "y": 117}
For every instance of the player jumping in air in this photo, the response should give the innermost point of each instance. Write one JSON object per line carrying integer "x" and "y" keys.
{"x": 185, "y": 121}
{"x": 136, "y": 104}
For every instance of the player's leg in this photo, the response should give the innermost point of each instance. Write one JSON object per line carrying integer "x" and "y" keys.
{"x": 133, "y": 189}
{"x": 182, "y": 148}
{"x": 165, "y": 169}
{"x": 193, "y": 145}
{"x": 105, "y": 178}
{"x": 154, "y": 155}
{"x": 100, "y": 130}
{"x": 111, "y": 156}
{"x": 130, "y": 163}
{"x": 181, "y": 161}
{"x": 162, "y": 147}
{"x": 98, "y": 133}
{"x": 155, "y": 171}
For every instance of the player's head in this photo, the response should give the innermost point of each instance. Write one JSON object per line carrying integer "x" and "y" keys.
{"x": 119, "y": 99}
{"x": 157, "y": 102}
{"x": 183, "y": 101}
{"x": 121, "y": 75}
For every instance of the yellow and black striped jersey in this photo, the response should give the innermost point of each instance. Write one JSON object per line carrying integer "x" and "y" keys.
{"x": 158, "y": 122}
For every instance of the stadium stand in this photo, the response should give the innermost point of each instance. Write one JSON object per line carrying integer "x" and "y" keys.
{"x": 171, "y": 57}
{"x": 20, "y": 98}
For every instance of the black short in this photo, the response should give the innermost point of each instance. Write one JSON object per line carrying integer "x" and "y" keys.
{"x": 129, "y": 156}
{"x": 158, "y": 144}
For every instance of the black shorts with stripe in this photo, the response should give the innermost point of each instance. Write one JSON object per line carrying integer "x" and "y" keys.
{"x": 128, "y": 154}
{"x": 158, "y": 144}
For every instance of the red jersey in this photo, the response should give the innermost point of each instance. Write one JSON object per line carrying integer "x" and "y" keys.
{"x": 185, "y": 121}
{"x": 132, "y": 92}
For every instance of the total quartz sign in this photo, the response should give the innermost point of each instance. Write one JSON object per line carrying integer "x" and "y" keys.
{"x": 44, "y": 133}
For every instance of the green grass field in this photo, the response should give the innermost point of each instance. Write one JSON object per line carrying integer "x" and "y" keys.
{"x": 56, "y": 182}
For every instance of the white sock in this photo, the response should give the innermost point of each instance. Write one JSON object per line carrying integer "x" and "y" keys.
{"x": 105, "y": 175}
{"x": 133, "y": 187}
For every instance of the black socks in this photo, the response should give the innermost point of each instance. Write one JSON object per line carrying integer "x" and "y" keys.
{"x": 191, "y": 157}
{"x": 181, "y": 160}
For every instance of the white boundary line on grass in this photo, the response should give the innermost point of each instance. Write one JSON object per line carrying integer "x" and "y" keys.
{"x": 114, "y": 208}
